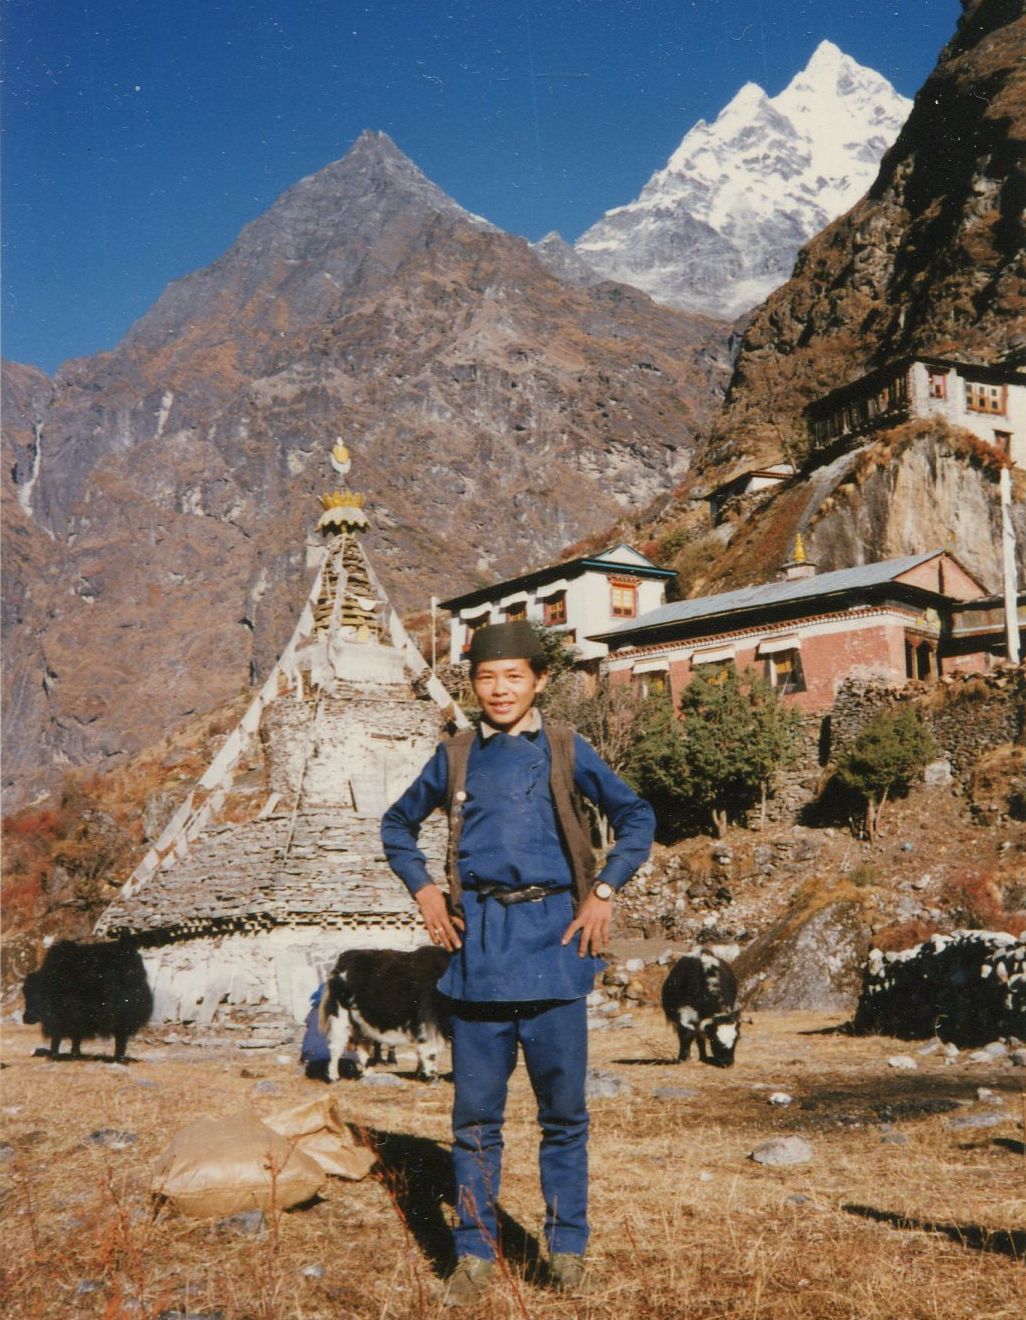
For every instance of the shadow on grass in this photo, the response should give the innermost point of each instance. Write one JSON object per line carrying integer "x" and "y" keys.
{"x": 1000, "y": 1241}
{"x": 418, "y": 1174}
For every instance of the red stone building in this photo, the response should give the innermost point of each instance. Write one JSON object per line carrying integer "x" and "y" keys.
{"x": 893, "y": 621}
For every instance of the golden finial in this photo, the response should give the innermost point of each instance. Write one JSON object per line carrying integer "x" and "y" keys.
{"x": 798, "y": 556}
{"x": 342, "y": 499}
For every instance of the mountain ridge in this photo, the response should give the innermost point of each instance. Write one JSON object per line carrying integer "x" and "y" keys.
{"x": 719, "y": 226}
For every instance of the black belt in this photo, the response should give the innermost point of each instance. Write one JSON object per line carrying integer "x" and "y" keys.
{"x": 508, "y": 897}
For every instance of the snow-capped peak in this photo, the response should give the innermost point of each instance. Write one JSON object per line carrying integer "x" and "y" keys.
{"x": 719, "y": 227}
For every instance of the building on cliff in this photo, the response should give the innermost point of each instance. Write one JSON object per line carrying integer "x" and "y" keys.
{"x": 989, "y": 401}
{"x": 245, "y": 907}
{"x": 578, "y": 597}
{"x": 910, "y": 618}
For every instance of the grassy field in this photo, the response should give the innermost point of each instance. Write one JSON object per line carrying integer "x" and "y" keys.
{"x": 896, "y": 1217}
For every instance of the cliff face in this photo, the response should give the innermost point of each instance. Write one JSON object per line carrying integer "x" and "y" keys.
{"x": 932, "y": 259}
{"x": 921, "y": 487}
{"x": 167, "y": 489}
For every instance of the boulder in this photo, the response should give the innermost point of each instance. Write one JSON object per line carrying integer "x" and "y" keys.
{"x": 811, "y": 960}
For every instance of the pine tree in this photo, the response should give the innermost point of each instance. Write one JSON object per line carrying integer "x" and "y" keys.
{"x": 736, "y": 736}
{"x": 889, "y": 752}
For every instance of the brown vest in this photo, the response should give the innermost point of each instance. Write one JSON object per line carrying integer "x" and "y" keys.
{"x": 571, "y": 814}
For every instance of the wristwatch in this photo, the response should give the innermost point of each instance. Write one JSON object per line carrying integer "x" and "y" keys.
{"x": 603, "y": 891}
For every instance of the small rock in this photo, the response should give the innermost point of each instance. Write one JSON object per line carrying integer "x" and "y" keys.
{"x": 604, "y": 1085}
{"x": 995, "y": 1050}
{"x": 313, "y": 1272}
{"x": 266, "y": 1087}
{"x": 674, "y": 1093}
{"x": 146, "y": 1083}
{"x": 988, "y": 1097}
{"x": 779, "y": 1098}
{"x": 666, "y": 957}
{"x": 907, "y": 847}
{"x": 619, "y": 1023}
{"x": 894, "y": 1139}
{"x": 595, "y": 998}
{"x": 782, "y": 1151}
{"x": 247, "y": 1223}
{"x": 283, "y": 1059}
{"x": 705, "y": 1176}
{"x": 634, "y": 965}
{"x": 902, "y": 1061}
{"x": 6, "y": 1152}
{"x": 113, "y": 1138}
{"x": 174, "y": 1314}
{"x": 950, "y": 1050}
{"x": 381, "y": 1079}
{"x": 597, "y": 1023}
{"x": 1018, "y": 1058}
{"x": 797, "y": 1199}
{"x": 86, "y": 1286}
{"x": 975, "y": 1121}
{"x": 931, "y": 1047}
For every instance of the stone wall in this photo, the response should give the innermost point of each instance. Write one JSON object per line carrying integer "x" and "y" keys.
{"x": 968, "y": 714}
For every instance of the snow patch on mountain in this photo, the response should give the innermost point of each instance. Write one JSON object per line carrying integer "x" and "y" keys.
{"x": 719, "y": 228}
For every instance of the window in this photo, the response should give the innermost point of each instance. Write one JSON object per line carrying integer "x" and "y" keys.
{"x": 481, "y": 621}
{"x": 938, "y": 384}
{"x": 985, "y": 398}
{"x": 713, "y": 671}
{"x": 1003, "y": 441}
{"x": 784, "y": 673}
{"x": 623, "y": 599}
{"x": 514, "y": 613}
{"x": 555, "y": 609}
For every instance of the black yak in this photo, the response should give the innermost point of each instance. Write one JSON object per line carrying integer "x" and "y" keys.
{"x": 386, "y": 996}
{"x": 700, "y": 999}
{"x": 86, "y": 990}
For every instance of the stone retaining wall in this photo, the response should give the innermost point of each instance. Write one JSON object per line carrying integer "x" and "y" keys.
{"x": 968, "y": 714}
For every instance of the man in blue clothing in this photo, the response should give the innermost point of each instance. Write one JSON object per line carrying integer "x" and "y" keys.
{"x": 525, "y": 920}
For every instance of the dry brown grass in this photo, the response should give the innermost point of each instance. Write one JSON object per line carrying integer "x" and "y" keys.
{"x": 685, "y": 1225}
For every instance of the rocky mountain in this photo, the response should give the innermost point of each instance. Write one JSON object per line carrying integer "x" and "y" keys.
{"x": 160, "y": 496}
{"x": 932, "y": 259}
{"x": 719, "y": 227}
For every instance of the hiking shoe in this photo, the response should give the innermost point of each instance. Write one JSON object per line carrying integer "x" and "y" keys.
{"x": 469, "y": 1281}
{"x": 568, "y": 1273}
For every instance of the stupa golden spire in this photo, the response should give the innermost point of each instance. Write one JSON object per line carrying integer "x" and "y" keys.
{"x": 343, "y": 509}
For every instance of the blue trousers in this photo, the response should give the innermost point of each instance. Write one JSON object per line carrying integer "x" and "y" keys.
{"x": 554, "y": 1037}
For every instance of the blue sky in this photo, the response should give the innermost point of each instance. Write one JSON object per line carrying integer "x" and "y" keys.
{"x": 140, "y": 137}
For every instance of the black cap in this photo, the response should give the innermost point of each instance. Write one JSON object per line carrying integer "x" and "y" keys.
{"x": 505, "y": 641}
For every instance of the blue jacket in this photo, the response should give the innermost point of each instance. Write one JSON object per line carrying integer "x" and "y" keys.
{"x": 510, "y": 837}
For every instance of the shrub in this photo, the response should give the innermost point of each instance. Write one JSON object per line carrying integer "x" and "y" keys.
{"x": 885, "y": 757}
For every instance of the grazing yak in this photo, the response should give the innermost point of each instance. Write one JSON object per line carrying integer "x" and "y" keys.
{"x": 86, "y": 990}
{"x": 388, "y": 997}
{"x": 700, "y": 1000}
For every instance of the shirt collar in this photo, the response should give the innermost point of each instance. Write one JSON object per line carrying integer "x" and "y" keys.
{"x": 532, "y": 724}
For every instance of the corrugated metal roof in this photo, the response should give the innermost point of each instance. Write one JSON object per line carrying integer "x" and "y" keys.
{"x": 775, "y": 593}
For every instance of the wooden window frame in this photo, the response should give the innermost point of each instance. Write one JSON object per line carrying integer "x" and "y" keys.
{"x": 554, "y": 609}
{"x": 795, "y": 680}
{"x": 988, "y": 400}
{"x": 623, "y": 587}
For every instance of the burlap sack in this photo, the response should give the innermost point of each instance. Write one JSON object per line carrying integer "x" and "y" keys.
{"x": 317, "y": 1128}
{"x": 220, "y": 1166}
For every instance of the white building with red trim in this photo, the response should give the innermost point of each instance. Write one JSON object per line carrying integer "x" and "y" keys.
{"x": 579, "y": 597}
{"x": 989, "y": 401}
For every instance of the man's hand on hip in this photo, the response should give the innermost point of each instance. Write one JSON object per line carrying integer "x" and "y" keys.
{"x": 441, "y": 926}
{"x": 593, "y": 920}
